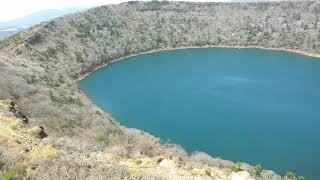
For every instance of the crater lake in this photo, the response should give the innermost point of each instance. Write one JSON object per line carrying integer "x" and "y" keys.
{"x": 245, "y": 105}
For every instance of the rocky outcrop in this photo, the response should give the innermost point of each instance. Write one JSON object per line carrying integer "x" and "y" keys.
{"x": 17, "y": 113}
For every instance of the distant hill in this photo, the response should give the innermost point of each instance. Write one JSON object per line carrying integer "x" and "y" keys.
{"x": 8, "y": 28}
{"x": 8, "y": 32}
{"x": 37, "y": 17}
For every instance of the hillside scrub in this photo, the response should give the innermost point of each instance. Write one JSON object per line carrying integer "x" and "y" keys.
{"x": 40, "y": 67}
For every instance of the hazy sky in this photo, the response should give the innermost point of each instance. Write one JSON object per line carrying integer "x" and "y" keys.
{"x": 11, "y": 9}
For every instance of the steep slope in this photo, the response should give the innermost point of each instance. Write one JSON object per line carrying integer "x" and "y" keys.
{"x": 39, "y": 69}
{"x": 24, "y": 153}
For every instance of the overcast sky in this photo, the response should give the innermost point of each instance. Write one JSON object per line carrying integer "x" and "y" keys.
{"x": 11, "y": 9}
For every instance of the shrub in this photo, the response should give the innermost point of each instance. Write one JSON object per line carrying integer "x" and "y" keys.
{"x": 51, "y": 52}
{"x": 78, "y": 57}
{"x": 61, "y": 46}
{"x": 54, "y": 83}
{"x": 237, "y": 168}
{"x": 64, "y": 125}
{"x": 32, "y": 79}
{"x": 45, "y": 55}
{"x": 1, "y": 165}
{"x": 61, "y": 79}
{"x": 71, "y": 100}
{"x": 100, "y": 138}
{"x": 208, "y": 172}
{"x": 35, "y": 39}
{"x": 138, "y": 161}
{"x": 15, "y": 172}
{"x": 257, "y": 170}
{"x": 53, "y": 97}
{"x": 290, "y": 175}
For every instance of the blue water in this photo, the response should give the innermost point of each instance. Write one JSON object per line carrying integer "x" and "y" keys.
{"x": 248, "y": 105}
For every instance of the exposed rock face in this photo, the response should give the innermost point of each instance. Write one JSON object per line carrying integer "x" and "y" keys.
{"x": 17, "y": 113}
{"x": 38, "y": 132}
{"x": 39, "y": 68}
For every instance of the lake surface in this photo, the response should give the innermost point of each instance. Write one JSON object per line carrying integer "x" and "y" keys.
{"x": 248, "y": 105}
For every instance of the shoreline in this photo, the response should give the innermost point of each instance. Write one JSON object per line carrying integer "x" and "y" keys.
{"x": 296, "y": 51}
